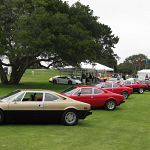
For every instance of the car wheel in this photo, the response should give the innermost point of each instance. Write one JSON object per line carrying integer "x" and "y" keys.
{"x": 110, "y": 105}
{"x": 70, "y": 82}
{"x": 70, "y": 118}
{"x": 54, "y": 82}
{"x": 141, "y": 90}
{"x": 1, "y": 117}
{"x": 125, "y": 94}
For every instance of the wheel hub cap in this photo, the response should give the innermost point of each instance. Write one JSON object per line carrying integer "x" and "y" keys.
{"x": 70, "y": 117}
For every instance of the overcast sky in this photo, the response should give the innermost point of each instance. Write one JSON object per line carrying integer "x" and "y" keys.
{"x": 128, "y": 19}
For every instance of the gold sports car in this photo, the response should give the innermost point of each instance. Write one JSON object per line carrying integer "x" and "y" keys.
{"x": 45, "y": 105}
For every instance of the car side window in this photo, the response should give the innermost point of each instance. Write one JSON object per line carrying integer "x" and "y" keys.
{"x": 86, "y": 91}
{"x": 33, "y": 96}
{"x": 115, "y": 85}
{"x": 107, "y": 85}
{"x": 128, "y": 82}
{"x": 97, "y": 91}
{"x": 50, "y": 97}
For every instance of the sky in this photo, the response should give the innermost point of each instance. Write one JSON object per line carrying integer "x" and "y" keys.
{"x": 129, "y": 20}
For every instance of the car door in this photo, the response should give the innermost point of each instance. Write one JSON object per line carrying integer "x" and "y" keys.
{"x": 63, "y": 80}
{"x": 108, "y": 86}
{"x": 53, "y": 107}
{"x": 116, "y": 88}
{"x": 135, "y": 85}
{"x": 128, "y": 84}
{"x": 27, "y": 106}
{"x": 98, "y": 98}
{"x": 83, "y": 95}
{"x": 59, "y": 80}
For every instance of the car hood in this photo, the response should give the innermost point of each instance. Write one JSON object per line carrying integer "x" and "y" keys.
{"x": 77, "y": 81}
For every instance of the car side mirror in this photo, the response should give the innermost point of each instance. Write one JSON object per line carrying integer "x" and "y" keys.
{"x": 79, "y": 93}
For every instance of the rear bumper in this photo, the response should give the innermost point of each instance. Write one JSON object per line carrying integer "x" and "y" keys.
{"x": 89, "y": 113}
{"x": 83, "y": 114}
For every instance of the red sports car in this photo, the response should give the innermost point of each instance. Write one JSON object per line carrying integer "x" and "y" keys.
{"x": 95, "y": 96}
{"x": 137, "y": 86}
{"x": 116, "y": 88}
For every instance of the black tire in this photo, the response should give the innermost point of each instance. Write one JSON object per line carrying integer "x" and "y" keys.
{"x": 140, "y": 90}
{"x": 110, "y": 105}
{"x": 69, "y": 118}
{"x": 54, "y": 82}
{"x": 70, "y": 82}
{"x": 125, "y": 94}
{"x": 1, "y": 117}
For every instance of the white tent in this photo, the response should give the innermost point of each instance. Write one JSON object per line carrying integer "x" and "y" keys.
{"x": 95, "y": 66}
{"x": 84, "y": 65}
{"x": 142, "y": 74}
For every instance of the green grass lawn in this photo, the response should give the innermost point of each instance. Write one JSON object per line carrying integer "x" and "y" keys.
{"x": 128, "y": 127}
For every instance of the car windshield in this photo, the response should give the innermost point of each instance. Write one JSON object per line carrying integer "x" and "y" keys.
{"x": 70, "y": 90}
{"x": 10, "y": 94}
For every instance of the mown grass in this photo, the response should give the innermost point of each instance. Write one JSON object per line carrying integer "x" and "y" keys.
{"x": 128, "y": 127}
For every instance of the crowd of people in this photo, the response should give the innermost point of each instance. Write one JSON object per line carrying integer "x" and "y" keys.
{"x": 88, "y": 78}
{"x": 93, "y": 78}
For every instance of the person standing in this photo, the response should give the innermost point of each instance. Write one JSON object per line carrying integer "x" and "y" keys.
{"x": 146, "y": 77}
{"x": 90, "y": 78}
{"x": 83, "y": 78}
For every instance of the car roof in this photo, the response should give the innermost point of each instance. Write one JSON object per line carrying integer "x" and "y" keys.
{"x": 36, "y": 90}
{"x": 84, "y": 86}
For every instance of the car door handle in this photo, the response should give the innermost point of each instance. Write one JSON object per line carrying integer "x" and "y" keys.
{"x": 40, "y": 105}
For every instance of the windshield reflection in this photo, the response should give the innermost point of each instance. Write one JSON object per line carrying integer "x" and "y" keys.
{"x": 12, "y": 94}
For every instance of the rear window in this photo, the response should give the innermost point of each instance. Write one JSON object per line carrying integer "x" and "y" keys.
{"x": 70, "y": 90}
{"x": 97, "y": 91}
{"x": 50, "y": 97}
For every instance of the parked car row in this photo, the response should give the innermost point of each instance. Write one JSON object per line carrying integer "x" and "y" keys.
{"x": 70, "y": 105}
{"x": 94, "y": 96}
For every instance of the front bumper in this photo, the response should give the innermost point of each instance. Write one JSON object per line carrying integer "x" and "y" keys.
{"x": 122, "y": 102}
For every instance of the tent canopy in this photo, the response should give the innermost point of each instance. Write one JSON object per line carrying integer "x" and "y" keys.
{"x": 95, "y": 66}
{"x": 143, "y": 73}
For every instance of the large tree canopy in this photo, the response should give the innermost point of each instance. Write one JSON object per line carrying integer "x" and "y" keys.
{"x": 133, "y": 63}
{"x": 32, "y": 31}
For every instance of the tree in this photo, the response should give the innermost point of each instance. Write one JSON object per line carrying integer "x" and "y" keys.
{"x": 32, "y": 31}
{"x": 133, "y": 63}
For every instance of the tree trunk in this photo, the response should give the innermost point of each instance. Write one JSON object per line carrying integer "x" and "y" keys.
{"x": 18, "y": 69}
{"x": 3, "y": 75}
{"x": 16, "y": 75}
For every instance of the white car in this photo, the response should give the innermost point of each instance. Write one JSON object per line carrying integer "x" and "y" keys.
{"x": 64, "y": 80}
